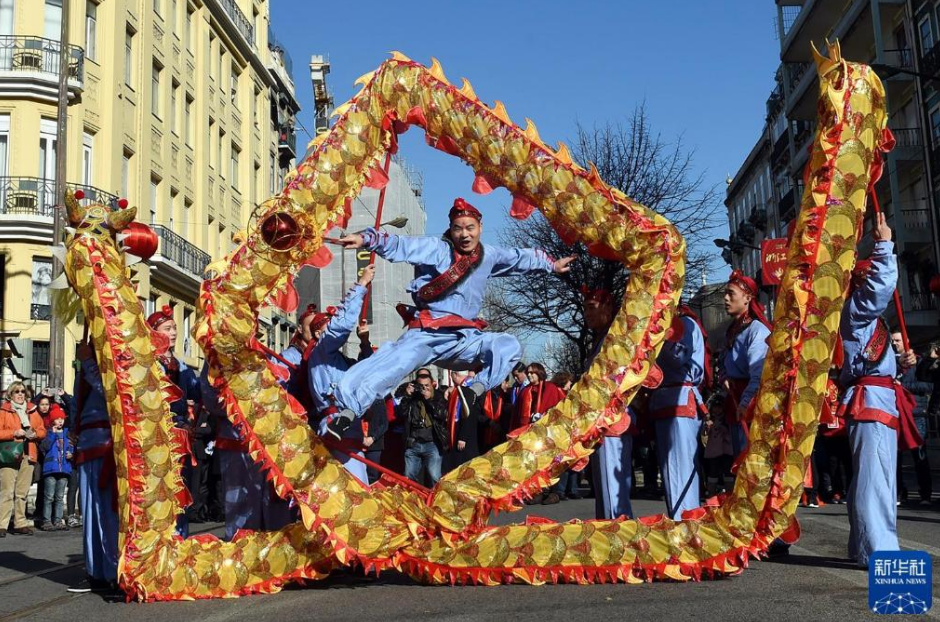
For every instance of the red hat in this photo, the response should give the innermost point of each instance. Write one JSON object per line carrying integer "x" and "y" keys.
{"x": 599, "y": 295}
{"x": 461, "y": 208}
{"x": 310, "y": 310}
{"x": 160, "y": 317}
{"x": 322, "y": 319}
{"x": 744, "y": 283}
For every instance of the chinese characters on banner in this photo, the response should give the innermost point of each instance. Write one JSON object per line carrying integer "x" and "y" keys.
{"x": 773, "y": 254}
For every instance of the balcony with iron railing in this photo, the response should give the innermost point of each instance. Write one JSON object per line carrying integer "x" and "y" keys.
{"x": 907, "y": 137}
{"x": 177, "y": 249}
{"x": 238, "y": 18}
{"x": 35, "y": 196}
{"x": 35, "y": 58}
{"x": 930, "y": 61}
{"x": 287, "y": 142}
{"x": 900, "y": 58}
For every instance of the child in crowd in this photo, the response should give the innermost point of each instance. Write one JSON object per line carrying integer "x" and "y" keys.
{"x": 56, "y": 469}
{"x": 717, "y": 453}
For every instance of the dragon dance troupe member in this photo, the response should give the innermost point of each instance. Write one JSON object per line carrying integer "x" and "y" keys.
{"x": 612, "y": 460}
{"x": 870, "y": 403}
{"x": 328, "y": 365}
{"x": 97, "y": 478}
{"x": 745, "y": 351}
{"x": 675, "y": 406}
{"x": 187, "y": 404}
{"x": 451, "y": 275}
{"x": 249, "y": 499}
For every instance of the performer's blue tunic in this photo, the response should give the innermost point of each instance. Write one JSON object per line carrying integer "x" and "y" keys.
{"x": 250, "y": 500}
{"x": 674, "y": 406}
{"x": 328, "y": 365}
{"x": 873, "y": 493}
{"x": 744, "y": 360}
{"x": 458, "y": 349}
{"x": 99, "y": 519}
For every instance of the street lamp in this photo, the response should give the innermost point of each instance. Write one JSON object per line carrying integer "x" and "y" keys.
{"x": 398, "y": 223}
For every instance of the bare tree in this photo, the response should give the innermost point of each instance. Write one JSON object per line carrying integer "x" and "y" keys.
{"x": 647, "y": 168}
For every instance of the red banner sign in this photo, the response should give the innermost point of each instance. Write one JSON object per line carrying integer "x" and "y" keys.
{"x": 773, "y": 254}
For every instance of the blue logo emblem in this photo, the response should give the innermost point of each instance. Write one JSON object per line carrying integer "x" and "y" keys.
{"x": 899, "y": 582}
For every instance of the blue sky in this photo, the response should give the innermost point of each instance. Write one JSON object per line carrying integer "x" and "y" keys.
{"x": 704, "y": 69}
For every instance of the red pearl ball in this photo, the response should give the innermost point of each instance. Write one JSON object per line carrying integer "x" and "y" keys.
{"x": 280, "y": 231}
{"x": 79, "y": 194}
{"x": 122, "y": 203}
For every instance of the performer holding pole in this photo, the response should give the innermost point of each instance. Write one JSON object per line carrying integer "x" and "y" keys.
{"x": 870, "y": 400}
{"x": 443, "y": 325}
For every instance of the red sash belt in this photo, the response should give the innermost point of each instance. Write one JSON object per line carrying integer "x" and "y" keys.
{"x": 908, "y": 436}
{"x": 423, "y": 319}
{"x": 231, "y": 444}
{"x": 689, "y": 410}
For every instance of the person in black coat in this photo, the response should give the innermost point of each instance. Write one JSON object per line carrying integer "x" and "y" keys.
{"x": 424, "y": 414}
{"x": 376, "y": 425}
{"x": 464, "y": 412}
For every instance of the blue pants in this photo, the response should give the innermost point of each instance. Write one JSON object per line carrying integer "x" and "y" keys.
{"x": 738, "y": 439}
{"x": 99, "y": 523}
{"x": 355, "y": 468}
{"x": 612, "y": 468}
{"x": 54, "y": 497}
{"x": 872, "y": 501}
{"x": 676, "y": 448}
{"x": 423, "y": 455}
{"x": 250, "y": 500}
{"x": 379, "y": 375}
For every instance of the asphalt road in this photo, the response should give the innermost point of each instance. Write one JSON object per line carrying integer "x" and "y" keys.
{"x": 814, "y": 582}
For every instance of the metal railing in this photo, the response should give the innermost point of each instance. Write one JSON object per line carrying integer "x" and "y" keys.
{"x": 915, "y": 217}
{"x": 796, "y": 71}
{"x": 275, "y": 46}
{"x": 36, "y": 54}
{"x": 788, "y": 14}
{"x": 922, "y": 301}
{"x": 930, "y": 61}
{"x": 287, "y": 140}
{"x": 903, "y": 58}
{"x": 35, "y": 196}
{"x": 908, "y": 136}
{"x": 175, "y": 248}
{"x": 238, "y": 18}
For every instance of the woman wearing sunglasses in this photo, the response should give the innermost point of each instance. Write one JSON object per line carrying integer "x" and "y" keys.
{"x": 19, "y": 423}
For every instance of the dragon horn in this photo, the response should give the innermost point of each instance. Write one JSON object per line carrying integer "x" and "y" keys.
{"x": 119, "y": 220}
{"x": 74, "y": 209}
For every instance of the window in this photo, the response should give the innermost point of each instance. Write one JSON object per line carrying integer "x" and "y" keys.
{"x": 154, "y": 198}
{"x": 210, "y": 54}
{"x": 126, "y": 174}
{"x": 129, "y": 58}
{"x": 935, "y": 124}
{"x": 52, "y": 28}
{"x": 42, "y": 275}
{"x": 235, "y": 156}
{"x": 155, "y": 90}
{"x": 6, "y": 17}
{"x": 218, "y": 66}
{"x": 187, "y": 332}
{"x": 4, "y": 146}
{"x": 174, "y": 103}
{"x": 188, "y": 25}
{"x": 926, "y": 35}
{"x": 272, "y": 177}
{"x": 188, "y": 120}
{"x": 91, "y": 30}
{"x": 218, "y": 153}
{"x": 212, "y": 150}
{"x": 88, "y": 143}
{"x": 234, "y": 86}
{"x": 174, "y": 199}
{"x": 256, "y": 106}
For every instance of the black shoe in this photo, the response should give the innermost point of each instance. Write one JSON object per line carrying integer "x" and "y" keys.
{"x": 536, "y": 500}
{"x": 88, "y": 584}
{"x": 551, "y": 498}
{"x": 340, "y": 422}
{"x": 574, "y": 496}
{"x": 778, "y": 548}
{"x": 3, "y": 533}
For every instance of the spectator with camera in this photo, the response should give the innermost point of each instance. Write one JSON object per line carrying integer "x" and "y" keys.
{"x": 424, "y": 413}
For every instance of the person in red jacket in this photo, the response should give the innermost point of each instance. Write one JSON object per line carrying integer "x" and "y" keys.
{"x": 19, "y": 422}
{"x": 537, "y": 398}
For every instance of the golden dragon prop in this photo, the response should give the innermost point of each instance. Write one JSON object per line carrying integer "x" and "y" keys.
{"x": 445, "y": 538}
